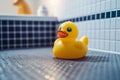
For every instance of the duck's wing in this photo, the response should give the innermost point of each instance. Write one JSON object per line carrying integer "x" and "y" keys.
{"x": 79, "y": 44}
{"x": 85, "y": 40}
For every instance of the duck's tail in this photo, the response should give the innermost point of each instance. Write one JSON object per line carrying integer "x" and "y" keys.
{"x": 84, "y": 39}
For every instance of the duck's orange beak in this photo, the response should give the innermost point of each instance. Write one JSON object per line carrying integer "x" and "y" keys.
{"x": 62, "y": 34}
{"x": 16, "y": 2}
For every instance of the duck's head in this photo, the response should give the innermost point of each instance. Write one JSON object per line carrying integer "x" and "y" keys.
{"x": 67, "y": 30}
{"x": 18, "y": 2}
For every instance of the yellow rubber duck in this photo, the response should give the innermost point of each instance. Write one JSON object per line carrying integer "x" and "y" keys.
{"x": 23, "y": 7}
{"x": 66, "y": 46}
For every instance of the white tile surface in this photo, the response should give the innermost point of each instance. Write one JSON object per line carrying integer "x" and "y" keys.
{"x": 107, "y": 24}
{"x": 107, "y": 44}
{"x": 112, "y": 46}
{"x": 107, "y": 34}
{"x": 118, "y": 35}
{"x": 108, "y": 5}
{"x": 118, "y": 46}
{"x": 103, "y": 6}
{"x": 102, "y": 44}
{"x": 97, "y": 7}
{"x": 102, "y": 24}
{"x": 113, "y": 23}
{"x": 112, "y": 35}
{"x": 117, "y": 23}
{"x": 118, "y": 4}
{"x": 113, "y": 4}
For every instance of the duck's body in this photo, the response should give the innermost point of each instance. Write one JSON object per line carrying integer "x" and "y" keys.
{"x": 67, "y": 47}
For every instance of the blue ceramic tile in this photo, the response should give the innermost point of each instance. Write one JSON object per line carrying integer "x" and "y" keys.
{"x": 97, "y": 16}
{"x": 107, "y": 14}
{"x": 118, "y": 13}
{"x": 93, "y": 17}
{"x": 113, "y": 14}
{"x": 102, "y": 15}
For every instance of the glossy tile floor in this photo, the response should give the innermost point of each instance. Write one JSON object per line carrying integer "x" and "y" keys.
{"x": 40, "y": 64}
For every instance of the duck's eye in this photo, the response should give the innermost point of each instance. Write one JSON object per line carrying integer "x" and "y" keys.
{"x": 69, "y": 29}
{"x": 59, "y": 28}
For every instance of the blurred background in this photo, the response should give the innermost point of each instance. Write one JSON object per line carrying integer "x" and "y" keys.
{"x": 98, "y": 19}
{"x": 53, "y": 6}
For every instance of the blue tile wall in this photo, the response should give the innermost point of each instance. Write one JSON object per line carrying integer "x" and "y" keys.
{"x": 26, "y": 32}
